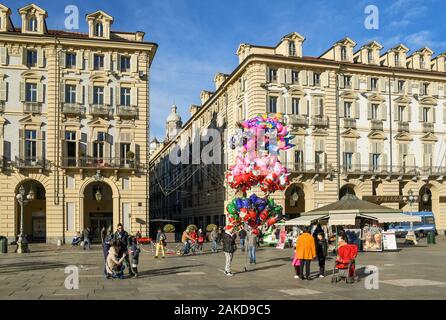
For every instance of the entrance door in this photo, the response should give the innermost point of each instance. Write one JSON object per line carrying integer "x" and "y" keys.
{"x": 39, "y": 229}
{"x": 99, "y": 221}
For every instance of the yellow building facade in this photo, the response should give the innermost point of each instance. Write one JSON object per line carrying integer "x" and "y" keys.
{"x": 74, "y": 126}
{"x": 365, "y": 122}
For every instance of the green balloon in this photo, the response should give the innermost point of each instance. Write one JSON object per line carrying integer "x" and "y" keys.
{"x": 231, "y": 208}
{"x": 271, "y": 203}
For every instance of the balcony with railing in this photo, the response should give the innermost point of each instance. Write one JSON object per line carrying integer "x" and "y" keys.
{"x": 376, "y": 125}
{"x": 31, "y": 163}
{"x": 428, "y": 127}
{"x": 101, "y": 110}
{"x": 100, "y": 163}
{"x": 297, "y": 120}
{"x": 32, "y": 107}
{"x": 127, "y": 111}
{"x": 349, "y": 123}
{"x": 319, "y": 121}
{"x": 403, "y": 126}
{"x": 308, "y": 167}
{"x": 73, "y": 109}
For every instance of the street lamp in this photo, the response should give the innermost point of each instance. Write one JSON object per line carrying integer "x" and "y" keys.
{"x": 295, "y": 195}
{"x": 98, "y": 195}
{"x": 411, "y": 199}
{"x": 22, "y": 199}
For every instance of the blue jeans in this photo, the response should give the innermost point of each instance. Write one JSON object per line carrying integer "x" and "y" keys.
{"x": 252, "y": 254}
{"x": 214, "y": 245}
{"x": 186, "y": 247}
{"x": 242, "y": 244}
{"x": 87, "y": 241}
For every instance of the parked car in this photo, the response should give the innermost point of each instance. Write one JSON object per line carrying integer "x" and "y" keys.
{"x": 421, "y": 229}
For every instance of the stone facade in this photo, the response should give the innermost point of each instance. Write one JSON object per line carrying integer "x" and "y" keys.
{"x": 74, "y": 126}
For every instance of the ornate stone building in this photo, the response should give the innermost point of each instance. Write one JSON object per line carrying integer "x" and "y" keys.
{"x": 366, "y": 122}
{"x": 74, "y": 126}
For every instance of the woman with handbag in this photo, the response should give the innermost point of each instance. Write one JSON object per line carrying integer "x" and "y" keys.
{"x": 160, "y": 243}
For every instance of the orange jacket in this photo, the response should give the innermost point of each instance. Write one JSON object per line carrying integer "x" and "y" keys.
{"x": 305, "y": 247}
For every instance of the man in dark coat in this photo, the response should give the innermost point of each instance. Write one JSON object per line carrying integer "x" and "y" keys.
{"x": 229, "y": 247}
{"x": 321, "y": 252}
{"x": 123, "y": 237}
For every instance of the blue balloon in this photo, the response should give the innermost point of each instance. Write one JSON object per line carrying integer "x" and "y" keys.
{"x": 239, "y": 203}
{"x": 245, "y": 202}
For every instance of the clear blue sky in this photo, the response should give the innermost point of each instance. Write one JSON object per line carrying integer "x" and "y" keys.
{"x": 199, "y": 37}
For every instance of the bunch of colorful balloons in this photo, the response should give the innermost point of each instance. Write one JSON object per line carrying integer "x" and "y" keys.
{"x": 257, "y": 164}
{"x": 254, "y": 211}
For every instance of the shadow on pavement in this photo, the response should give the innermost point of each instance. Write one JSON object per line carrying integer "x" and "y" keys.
{"x": 30, "y": 266}
{"x": 165, "y": 271}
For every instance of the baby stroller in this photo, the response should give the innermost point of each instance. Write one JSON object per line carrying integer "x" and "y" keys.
{"x": 345, "y": 263}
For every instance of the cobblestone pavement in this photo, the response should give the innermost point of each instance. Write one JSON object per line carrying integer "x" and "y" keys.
{"x": 411, "y": 273}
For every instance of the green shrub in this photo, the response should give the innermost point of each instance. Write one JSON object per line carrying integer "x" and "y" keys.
{"x": 192, "y": 227}
{"x": 168, "y": 228}
{"x": 210, "y": 227}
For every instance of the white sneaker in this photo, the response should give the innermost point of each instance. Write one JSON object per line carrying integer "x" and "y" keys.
{"x": 296, "y": 277}
{"x": 321, "y": 276}
{"x": 229, "y": 274}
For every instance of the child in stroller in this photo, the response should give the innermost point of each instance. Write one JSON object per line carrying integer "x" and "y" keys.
{"x": 345, "y": 262}
{"x": 76, "y": 240}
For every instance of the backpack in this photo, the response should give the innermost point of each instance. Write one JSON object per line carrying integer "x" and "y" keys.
{"x": 162, "y": 237}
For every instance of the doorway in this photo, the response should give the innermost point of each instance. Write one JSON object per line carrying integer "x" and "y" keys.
{"x": 99, "y": 220}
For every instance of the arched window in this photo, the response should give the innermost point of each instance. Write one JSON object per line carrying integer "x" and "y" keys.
{"x": 32, "y": 24}
{"x": 292, "y": 48}
{"x": 99, "y": 29}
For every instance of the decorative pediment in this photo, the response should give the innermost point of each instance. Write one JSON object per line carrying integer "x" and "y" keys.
{"x": 99, "y": 122}
{"x": 377, "y": 135}
{"x": 350, "y": 133}
{"x": 296, "y": 90}
{"x": 348, "y": 95}
{"x": 401, "y": 48}
{"x": 429, "y": 137}
{"x": 428, "y": 101}
{"x": 33, "y": 9}
{"x": 373, "y": 45}
{"x": 31, "y": 119}
{"x": 403, "y": 136}
{"x": 32, "y": 75}
{"x": 376, "y": 97}
{"x": 346, "y": 41}
{"x": 99, "y": 78}
{"x": 294, "y": 36}
{"x": 101, "y": 15}
{"x": 299, "y": 131}
{"x": 402, "y": 100}
{"x": 319, "y": 132}
{"x": 425, "y": 50}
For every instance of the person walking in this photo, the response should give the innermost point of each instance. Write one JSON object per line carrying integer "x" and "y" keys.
{"x": 87, "y": 241}
{"x": 213, "y": 237}
{"x": 321, "y": 252}
{"x": 185, "y": 238}
{"x": 242, "y": 236}
{"x": 135, "y": 249}
{"x": 122, "y": 237}
{"x": 305, "y": 252}
{"x": 252, "y": 245}
{"x": 229, "y": 247}
{"x": 160, "y": 243}
{"x": 200, "y": 240}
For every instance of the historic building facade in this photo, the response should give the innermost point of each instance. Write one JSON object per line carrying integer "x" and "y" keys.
{"x": 366, "y": 122}
{"x": 74, "y": 126}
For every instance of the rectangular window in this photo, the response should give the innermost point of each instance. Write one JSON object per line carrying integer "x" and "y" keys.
{"x": 348, "y": 160}
{"x": 317, "y": 79}
{"x": 425, "y": 89}
{"x": 401, "y": 86}
{"x": 397, "y": 60}
{"x": 375, "y": 161}
{"x": 347, "y": 109}
{"x": 422, "y": 63}
{"x": 125, "y": 63}
{"x": 125, "y": 96}
{"x": 343, "y": 53}
{"x": 272, "y": 105}
{"x": 31, "y": 92}
{"x": 401, "y": 113}
{"x": 98, "y": 95}
{"x": 70, "y": 60}
{"x": 98, "y": 146}
{"x": 295, "y": 106}
{"x": 31, "y": 58}
{"x": 294, "y": 77}
{"x": 319, "y": 157}
{"x": 374, "y": 83}
{"x": 98, "y": 62}
{"x": 272, "y": 75}
{"x": 70, "y": 94}
{"x": 348, "y": 82}
{"x": 375, "y": 109}
{"x": 299, "y": 159}
{"x": 370, "y": 56}
{"x": 426, "y": 114}
{"x": 70, "y": 135}
{"x": 30, "y": 145}
{"x": 124, "y": 149}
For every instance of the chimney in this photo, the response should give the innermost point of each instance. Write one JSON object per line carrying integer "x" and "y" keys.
{"x": 219, "y": 79}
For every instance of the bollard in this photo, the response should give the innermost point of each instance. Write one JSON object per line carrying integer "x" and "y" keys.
{"x": 59, "y": 243}
{"x": 3, "y": 244}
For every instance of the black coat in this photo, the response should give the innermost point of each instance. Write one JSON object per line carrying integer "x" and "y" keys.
{"x": 123, "y": 239}
{"x": 228, "y": 242}
{"x": 321, "y": 248}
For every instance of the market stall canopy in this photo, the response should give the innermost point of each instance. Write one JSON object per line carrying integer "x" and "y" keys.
{"x": 346, "y": 219}
{"x": 164, "y": 220}
{"x": 303, "y": 220}
{"x": 396, "y": 217}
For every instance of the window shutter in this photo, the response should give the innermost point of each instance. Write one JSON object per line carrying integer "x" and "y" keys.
{"x": 383, "y": 111}
{"x": 117, "y": 95}
{"x": 444, "y": 115}
{"x": 107, "y": 62}
{"x": 382, "y": 84}
{"x": 303, "y": 107}
{"x": 369, "y": 83}
{"x": 90, "y": 95}
{"x": 310, "y": 78}
{"x": 22, "y": 92}
{"x": 288, "y": 77}
{"x": 39, "y": 149}
{"x": 357, "y": 160}
{"x": 3, "y": 56}
{"x": 341, "y": 81}
{"x": 395, "y": 86}
{"x": 118, "y": 151}
{"x": 91, "y": 61}
{"x": 357, "y": 110}
{"x": 325, "y": 79}
{"x": 63, "y": 59}
{"x": 369, "y": 110}
{"x": 408, "y": 87}
{"x": 134, "y": 97}
{"x": 80, "y": 94}
{"x": 410, "y": 161}
{"x": 409, "y": 112}
{"x": 62, "y": 92}
{"x": 21, "y": 143}
{"x": 40, "y": 58}
{"x": 280, "y": 74}
{"x": 107, "y": 95}
{"x": 303, "y": 78}
{"x": 420, "y": 113}
{"x": 316, "y": 107}
{"x": 396, "y": 116}
{"x": 3, "y": 90}
{"x": 118, "y": 62}
{"x": 356, "y": 82}
{"x": 40, "y": 92}
{"x": 80, "y": 60}
{"x": 341, "y": 108}
{"x": 384, "y": 162}
{"x": 434, "y": 89}
{"x": 23, "y": 56}
{"x": 107, "y": 150}
{"x": 433, "y": 115}
{"x": 134, "y": 63}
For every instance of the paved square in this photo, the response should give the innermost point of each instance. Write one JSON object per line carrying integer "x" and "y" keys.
{"x": 411, "y": 273}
